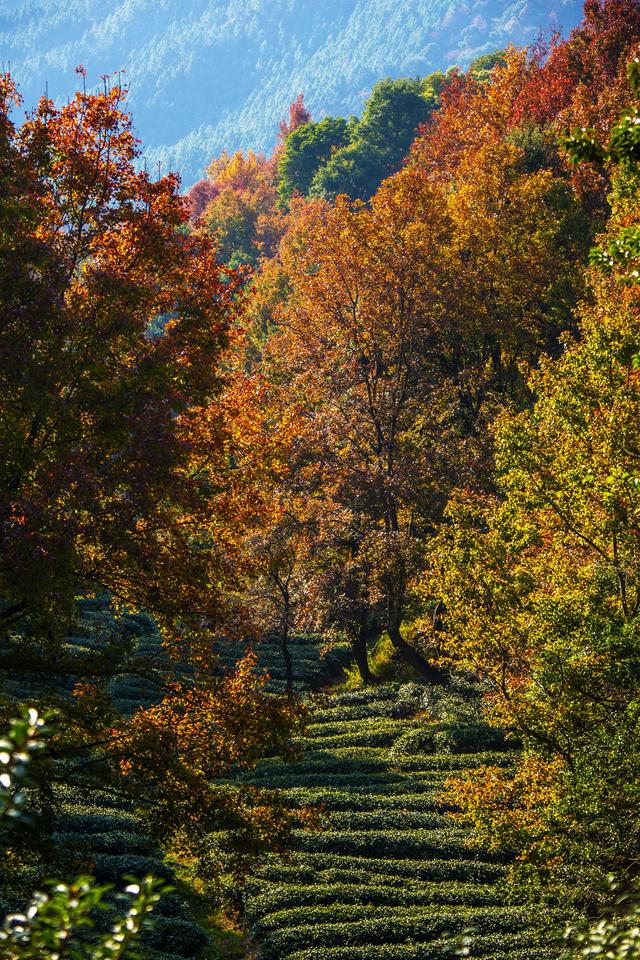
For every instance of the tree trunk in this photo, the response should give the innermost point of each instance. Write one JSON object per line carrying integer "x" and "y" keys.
{"x": 288, "y": 662}
{"x": 358, "y": 640}
{"x": 426, "y": 670}
{"x": 284, "y": 643}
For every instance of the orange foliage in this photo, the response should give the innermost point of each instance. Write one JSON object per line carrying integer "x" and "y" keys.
{"x": 510, "y": 810}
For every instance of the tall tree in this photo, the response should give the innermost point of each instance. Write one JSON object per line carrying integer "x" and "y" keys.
{"x": 115, "y": 459}
{"x": 94, "y": 409}
{"x": 379, "y": 141}
{"x": 364, "y": 299}
{"x": 538, "y": 590}
{"x": 305, "y": 150}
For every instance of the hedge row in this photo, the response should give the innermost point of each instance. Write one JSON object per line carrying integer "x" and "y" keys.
{"x": 115, "y": 841}
{"x": 447, "y": 762}
{"x": 357, "y": 711}
{"x": 482, "y": 919}
{"x": 353, "y": 763}
{"x": 451, "y": 738}
{"x": 408, "y": 736}
{"x": 387, "y": 797}
{"x": 376, "y": 761}
{"x": 331, "y": 867}
{"x": 388, "y": 820}
{"x": 365, "y": 725}
{"x": 360, "y": 738}
{"x": 441, "y": 844}
{"x": 382, "y": 693}
{"x": 522, "y": 946}
{"x": 89, "y": 820}
{"x": 276, "y": 898}
{"x": 403, "y": 926}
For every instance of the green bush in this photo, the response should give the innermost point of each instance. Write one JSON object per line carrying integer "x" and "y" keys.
{"x": 365, "y": 725}
{"x": 443, "y": 844}
{"x": 271, "y": 899}
{"x": 391, "y": 796}
{"x": 372, "y": 781}
{"x": 525, "y": 947}
{"x": 468, "y": 738}
{"x": 304, "y": 867}
{"x": 176, "y": 936}
{"x": 112, "y": 868}
{"x": 428, "y": 921}
{"x": 356, "y": 711}
{"x": 357, "y": 739}
{"x": 115, "y": 842}
{"x": 615, "y": 937}
{"x": 401, "y": 927}
{"x": 413, "y": 742}
{"x": 387, "y": 820}
{"x": 89, "y": 820}
{"x": 380, "y": 694}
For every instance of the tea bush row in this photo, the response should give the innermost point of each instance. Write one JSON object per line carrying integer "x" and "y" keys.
{"x": 276, "y": 898}
{"x": 327, "y": 867}
{"x": 387, "y": 820}
{"x": 519, "y": 947}
{"x": 395, "y": 929}
{"x": 414, "y": 844}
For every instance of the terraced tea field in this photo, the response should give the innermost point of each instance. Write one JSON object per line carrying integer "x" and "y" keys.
{"x": 389, "y": 877}
{"x": 95, "y": 831}
{"x": 98, "y": 832}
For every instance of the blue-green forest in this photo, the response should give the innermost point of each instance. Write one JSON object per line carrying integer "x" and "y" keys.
{"x": 207, "y": 75}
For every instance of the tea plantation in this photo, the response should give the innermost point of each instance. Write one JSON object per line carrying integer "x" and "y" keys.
{"x": 386, "y": 876}
{"x": 93, "y": 830}
{"x": 97, "y": 832}
{"x": 389, "y": 877}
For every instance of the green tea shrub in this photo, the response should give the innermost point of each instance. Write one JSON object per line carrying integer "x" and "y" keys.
{"x": 468, "y": 738}
{"x": 179, "y": 936}
{"x": 396, "y": 929}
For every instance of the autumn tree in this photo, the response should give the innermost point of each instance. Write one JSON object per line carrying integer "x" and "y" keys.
{"x": 538, "y": 591}
{"x": 582, "y": 82}
{"x": 405, "y": 326}
{"x": 95, "y": 445}
{"x": 237, "y": 202}
{"x": 114, "y": 462}
{"x": 364, "y": 296}
{"x": 241, "y": 214}
{"x": 298, "y": 117}
{"x": 274, "y": 537}
{"x": 199, "y": 197}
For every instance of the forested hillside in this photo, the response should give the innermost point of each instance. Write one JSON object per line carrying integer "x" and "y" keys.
{"x": 207, "y": 74}
{"x": 319, "y": 500}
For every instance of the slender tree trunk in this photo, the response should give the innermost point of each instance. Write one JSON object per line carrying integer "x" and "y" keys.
{"x": 284, "y": 646}
{"x": 414, "y": 659}
{"x": 358, "y": 638}
{"x": 288, "y": 663}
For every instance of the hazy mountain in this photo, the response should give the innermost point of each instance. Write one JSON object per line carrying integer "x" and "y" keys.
{"x": 208, "y": 74}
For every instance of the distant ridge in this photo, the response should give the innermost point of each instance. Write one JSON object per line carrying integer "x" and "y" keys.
{"x": 208, "y": 74}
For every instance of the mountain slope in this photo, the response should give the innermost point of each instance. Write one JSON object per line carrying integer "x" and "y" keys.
{"x": 208, "y": 74}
